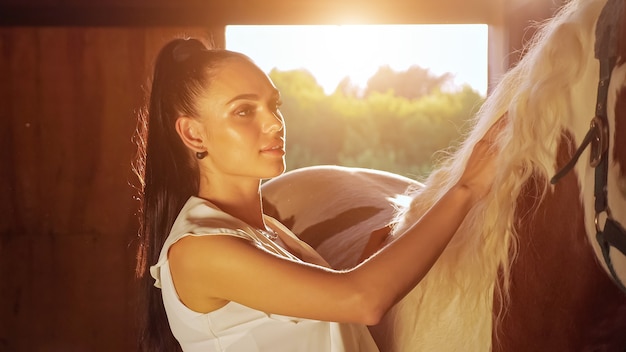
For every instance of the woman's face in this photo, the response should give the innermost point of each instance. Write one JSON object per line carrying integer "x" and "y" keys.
{"x": 244, "y": 129}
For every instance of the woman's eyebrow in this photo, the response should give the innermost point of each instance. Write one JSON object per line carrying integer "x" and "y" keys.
{"x": 253, "y": 96}
{"x": 249, "y": 96}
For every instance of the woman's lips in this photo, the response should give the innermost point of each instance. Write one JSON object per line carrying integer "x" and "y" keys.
{"x": 274, "y": 149}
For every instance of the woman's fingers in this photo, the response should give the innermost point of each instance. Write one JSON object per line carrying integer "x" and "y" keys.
{"x": 480, "y": 168}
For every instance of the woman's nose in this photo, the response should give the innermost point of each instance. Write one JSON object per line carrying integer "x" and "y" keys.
{"x": 273, "y": 123}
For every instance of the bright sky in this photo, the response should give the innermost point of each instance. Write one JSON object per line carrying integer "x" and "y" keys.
{"x": 331, "y": 53}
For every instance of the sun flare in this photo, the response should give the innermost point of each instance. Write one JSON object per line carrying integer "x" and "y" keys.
{"x": 332, "y": 52}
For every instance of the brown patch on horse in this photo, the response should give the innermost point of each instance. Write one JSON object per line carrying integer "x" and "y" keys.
{"x": 271, "y": 210}
{"x": 376, "y": 242}
{"x": 316, "y": 234}
{"x": 560, "y": 296}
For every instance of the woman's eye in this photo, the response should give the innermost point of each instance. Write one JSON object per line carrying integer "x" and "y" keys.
{"x": 244, "y": 111}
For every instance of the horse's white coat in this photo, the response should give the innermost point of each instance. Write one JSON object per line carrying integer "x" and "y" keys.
{"x": 313, "y": 195}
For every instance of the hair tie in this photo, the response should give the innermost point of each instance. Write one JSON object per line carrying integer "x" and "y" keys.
{"x": 186, "y": 48}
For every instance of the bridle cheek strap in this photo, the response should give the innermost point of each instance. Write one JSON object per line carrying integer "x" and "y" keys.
{"x": 613, "y": 235}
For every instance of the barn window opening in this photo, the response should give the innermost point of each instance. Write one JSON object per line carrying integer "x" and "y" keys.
{"x": 333, "y": 52}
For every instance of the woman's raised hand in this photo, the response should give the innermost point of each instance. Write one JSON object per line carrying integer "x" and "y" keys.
{"x": 479, "y": 171}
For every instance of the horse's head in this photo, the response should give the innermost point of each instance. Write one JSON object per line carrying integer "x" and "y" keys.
{"x": 602, "y": 171}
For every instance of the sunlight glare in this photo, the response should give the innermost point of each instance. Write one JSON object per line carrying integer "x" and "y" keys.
{"x": 332, "y": 52}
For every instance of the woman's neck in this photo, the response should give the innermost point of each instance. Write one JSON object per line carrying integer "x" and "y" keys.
{"x": 240, "y": 200}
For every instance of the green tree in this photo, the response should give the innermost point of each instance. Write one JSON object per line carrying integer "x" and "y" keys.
{"x": 413, "y": 83}
{"x": 380, "y": 130}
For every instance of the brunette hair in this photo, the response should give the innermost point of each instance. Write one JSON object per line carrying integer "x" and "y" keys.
{"x": 166, "y": 168}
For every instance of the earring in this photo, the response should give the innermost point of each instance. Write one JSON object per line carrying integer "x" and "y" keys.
{"x": 201, "y": 155}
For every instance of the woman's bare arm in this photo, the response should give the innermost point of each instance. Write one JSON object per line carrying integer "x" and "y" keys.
{"x": 209, "y": 271}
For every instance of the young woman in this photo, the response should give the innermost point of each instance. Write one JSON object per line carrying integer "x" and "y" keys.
{"x": 227, "y": 277}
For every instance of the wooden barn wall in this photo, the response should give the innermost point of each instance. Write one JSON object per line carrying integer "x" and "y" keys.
{"x": 523, "y": 18}
{"x": 68, "y": 103}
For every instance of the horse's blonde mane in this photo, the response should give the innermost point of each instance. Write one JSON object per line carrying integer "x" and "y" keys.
{"x": 451, "y": 309}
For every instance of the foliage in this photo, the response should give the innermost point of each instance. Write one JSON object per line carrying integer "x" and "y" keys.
{"x": 379, "y": 129}
{"x": 413, "y": 83}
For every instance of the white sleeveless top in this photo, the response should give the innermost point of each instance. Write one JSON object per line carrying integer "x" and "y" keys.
{"x": 235, "y": 327}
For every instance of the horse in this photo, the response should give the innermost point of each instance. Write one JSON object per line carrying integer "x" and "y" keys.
{"x": 525, "y": 271}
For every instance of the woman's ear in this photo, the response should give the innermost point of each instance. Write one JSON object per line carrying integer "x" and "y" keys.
{"x": 190, "y": 132}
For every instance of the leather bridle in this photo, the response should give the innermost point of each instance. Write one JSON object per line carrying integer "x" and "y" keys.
{"x": 613, "y": 234}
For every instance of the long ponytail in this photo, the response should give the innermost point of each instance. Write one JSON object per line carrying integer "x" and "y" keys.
{"x": 166, "y": 169}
